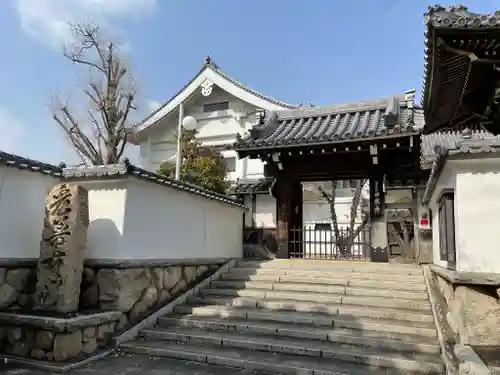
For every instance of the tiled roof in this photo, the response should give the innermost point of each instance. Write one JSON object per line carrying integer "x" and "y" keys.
{"x": 260, "y": 186}
{"x": 210, "y": 64}
{"x": 336, "y": 123}
{"x": 451, "y": 140}
{"x": 126, "y": 169}
{"x": 19, "y": 162}
{"x": 454, "y": 143}
{"x": 455, "y": 68}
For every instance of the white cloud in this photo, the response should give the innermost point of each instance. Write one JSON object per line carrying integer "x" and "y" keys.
{"x": 12, "y": 132}
{"x": 48, "y": 19}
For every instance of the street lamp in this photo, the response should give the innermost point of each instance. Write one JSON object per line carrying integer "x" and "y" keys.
{"x": 188, "y": 123}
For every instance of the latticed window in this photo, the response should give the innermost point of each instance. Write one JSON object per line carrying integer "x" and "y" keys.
{"x": 446, "y": 224}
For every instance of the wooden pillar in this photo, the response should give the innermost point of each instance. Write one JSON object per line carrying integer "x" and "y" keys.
{"x": 289, "y": 217}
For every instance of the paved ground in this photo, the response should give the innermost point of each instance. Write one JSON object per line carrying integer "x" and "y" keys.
{"x": 132, "y": 365}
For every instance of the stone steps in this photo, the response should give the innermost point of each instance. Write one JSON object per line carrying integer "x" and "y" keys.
{"x": 304, "y": 317}
{"x": 315, "y": 319}
{"x": 292, "y": 345}
{"x": 342, "y": 280}
{"x": 328, "y": 265}
{"x": 382, "y": 340}
{"x": 311, "y": 287}
{"x": 324, "y": 297}
{"x": 376, "y": 276}
{"x": 345, "y": 360}
{"x": 259, "y": 361}
{"x": 314, "y": 307}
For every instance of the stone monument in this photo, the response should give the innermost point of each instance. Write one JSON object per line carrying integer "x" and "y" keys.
{"x": 64, "y": 236}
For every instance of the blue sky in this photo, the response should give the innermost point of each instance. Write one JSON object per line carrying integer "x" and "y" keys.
{"x": 319, "y": 51}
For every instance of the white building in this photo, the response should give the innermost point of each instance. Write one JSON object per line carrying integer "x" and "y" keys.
{"x": 224, "y": 108}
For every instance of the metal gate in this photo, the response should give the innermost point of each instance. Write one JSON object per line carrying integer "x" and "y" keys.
{"x": 321, "y": 242}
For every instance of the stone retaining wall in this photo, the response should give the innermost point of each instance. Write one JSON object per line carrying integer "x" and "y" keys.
{"x": 473, "y": 309}
{"x": 17, "y": 286}
{"x": 112, "y": 299}
{"x": 137, "y": 292}
{"x": 55, "y": 339}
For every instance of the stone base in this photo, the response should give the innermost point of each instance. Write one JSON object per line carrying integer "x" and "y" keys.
{"x": 138, "y": 291}
{"x": 52, "y": 339}
{"x": 472, "y": 308}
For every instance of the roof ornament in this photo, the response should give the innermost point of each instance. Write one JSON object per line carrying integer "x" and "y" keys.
{"x": 457, "y": 8}
{"x": 210, "y": 62}
{"x": 207, "y": 87}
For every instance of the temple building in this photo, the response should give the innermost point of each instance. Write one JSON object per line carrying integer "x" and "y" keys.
{"x": 420, "y": 165}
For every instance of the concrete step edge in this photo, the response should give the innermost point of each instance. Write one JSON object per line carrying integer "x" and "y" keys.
{"x": 381, "y": 325}
{"x": 326, "y": 263}
{"x": 411, "y": 343}
{"x": 277, "y": 364}
{"x": 404, "y": 286}
{"x": 303, "y": 306}
{"x": 417, "y": 305}
{"x": 318, "y": 288}
{"x": 302, "y": 346}
{"x": 381, "y": 361}
{"x": 328, "y": 271}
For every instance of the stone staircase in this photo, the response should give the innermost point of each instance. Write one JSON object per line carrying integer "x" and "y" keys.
{"x": 304, "y": 317}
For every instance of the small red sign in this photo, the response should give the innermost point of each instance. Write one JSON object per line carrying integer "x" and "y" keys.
{"x": 424, "y": 221}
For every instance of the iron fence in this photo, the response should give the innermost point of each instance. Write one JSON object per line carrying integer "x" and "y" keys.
{"x": 321, "y": 242}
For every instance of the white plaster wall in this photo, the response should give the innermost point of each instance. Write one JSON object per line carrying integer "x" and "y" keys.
{"x": 134, "y": 219}
{"x": 22, "y": 211}
{"x": 215, "y": 128}
{"x": 477, "y": 200}
{"x": 107, "y": 205}
{"x": 476, "y": 183}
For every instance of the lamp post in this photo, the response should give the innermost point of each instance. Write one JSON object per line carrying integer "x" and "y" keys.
{"x": 188, "y": 123}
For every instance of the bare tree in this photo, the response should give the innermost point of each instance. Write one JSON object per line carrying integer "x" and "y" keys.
{"x": 100, "y": 136}
{"x": 344, "y": 239}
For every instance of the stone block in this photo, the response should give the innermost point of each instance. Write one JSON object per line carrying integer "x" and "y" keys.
{"x": 475, "y": 313}
{"x": 64, "y": 236}
{"x": 45, "y": 339}
{"x": 67, "y": 345}
{"x": 171, "y": 276}
{"x": 120, "y": 289}
{"x": 8, "y": 295}
{"x": 18, "y": 278}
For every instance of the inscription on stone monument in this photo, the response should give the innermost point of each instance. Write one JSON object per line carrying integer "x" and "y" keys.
{"x": 64, "y": 236}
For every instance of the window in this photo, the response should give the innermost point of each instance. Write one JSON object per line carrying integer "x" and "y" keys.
{"x": 322, "y": 226}
{"x": 222, "y": 106}
{"x": 446, "y": 224}
{"x": 230, "y": 164}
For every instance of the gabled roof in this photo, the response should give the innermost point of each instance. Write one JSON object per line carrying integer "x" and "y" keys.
{"x": 211, "y": 72}
{"x": 336, "y": 123}
{"x": 461, "y": 52}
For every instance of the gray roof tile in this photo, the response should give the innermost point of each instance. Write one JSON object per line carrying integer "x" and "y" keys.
{"x": 245, "y": 187}
{"x": 455, "y": 17}
{"x": 19, "y": 162}
{"x": 335, "y": 123}
{"x": 452, "y": 140}
{"x": 126, "y": 169}
{"x": 439, "y": 146}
